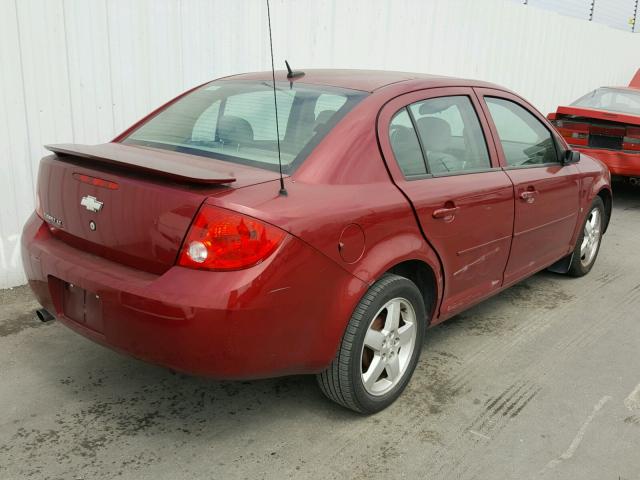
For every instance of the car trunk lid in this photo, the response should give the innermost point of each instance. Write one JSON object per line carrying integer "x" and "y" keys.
{"x": 130, "y": 204}
{"x": 598, "y": 129}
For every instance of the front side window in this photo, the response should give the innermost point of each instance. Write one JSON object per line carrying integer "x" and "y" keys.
{"x": 525, "y": 140}
{"x": 235, "y": 121}
{"x": 451, "y": 135}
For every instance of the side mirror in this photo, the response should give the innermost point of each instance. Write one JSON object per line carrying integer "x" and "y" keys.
{"x": 571, "y": 156}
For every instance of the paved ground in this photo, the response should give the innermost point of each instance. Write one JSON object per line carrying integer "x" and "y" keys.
{"x": 538, "y": 382}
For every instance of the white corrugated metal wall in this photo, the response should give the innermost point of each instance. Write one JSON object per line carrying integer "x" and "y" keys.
{"x": 83, "y": 70}
{"x": 614, "y": 13}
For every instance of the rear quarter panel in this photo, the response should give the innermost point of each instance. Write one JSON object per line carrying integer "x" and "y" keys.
{"x": 318, "y": 214}
{"x": 344, "y": 186}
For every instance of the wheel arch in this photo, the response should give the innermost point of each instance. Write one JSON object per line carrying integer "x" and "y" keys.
{"x": 607, "y": 199}
{"x": 422, "y": 274}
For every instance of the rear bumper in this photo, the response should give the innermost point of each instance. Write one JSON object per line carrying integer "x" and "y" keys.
{"x": 619, "y": 163}
{"x": 283, "y": 316}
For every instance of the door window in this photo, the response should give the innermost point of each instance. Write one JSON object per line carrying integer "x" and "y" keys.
{"x": 451, "y": 135}
{"x": 405, "y": 145}
{"x": 445, "y": 130}
{"x": 525, "y": 140}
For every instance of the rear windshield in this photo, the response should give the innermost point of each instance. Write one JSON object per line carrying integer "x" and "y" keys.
{"x": 611, "y": 99}
{"x": 235, "y": 121}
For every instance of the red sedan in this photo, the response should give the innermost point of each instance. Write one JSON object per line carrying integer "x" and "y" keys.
{"x": 606, "y": 124}
{"x": 407, "y": 199}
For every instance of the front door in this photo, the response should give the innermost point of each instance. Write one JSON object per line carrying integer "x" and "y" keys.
{"x": 546, "y": 191}
{"x": 463, "y": 199}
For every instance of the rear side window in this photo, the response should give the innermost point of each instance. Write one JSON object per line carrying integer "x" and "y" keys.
{"x": 235, "y": 120}
{"x": 525, "y": 140}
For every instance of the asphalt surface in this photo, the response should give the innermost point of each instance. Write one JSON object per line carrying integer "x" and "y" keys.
{"x": 542, "y": 381}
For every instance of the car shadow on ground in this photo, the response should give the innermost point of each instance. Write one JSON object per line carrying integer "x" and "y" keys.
{"x": 625, "y": 195}
{"x": 102, "y": 397}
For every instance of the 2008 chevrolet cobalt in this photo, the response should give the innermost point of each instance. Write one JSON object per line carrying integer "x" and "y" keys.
{"x": 407, "y": 198}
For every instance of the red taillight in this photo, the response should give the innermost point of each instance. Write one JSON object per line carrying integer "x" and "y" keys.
{"x": 576, "y": 133}
{"x": 220, "y": 239}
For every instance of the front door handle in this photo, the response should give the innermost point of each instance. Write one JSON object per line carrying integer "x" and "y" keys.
{"x": 529, "y": 196}
{"x": 446, "y": 213}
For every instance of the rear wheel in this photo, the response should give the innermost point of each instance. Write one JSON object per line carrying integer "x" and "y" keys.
{"x": 588, "y": 244}
{"x": 380, "y": 348}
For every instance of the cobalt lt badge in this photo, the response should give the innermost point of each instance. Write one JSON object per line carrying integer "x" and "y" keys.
{"x": 91, "y": 203}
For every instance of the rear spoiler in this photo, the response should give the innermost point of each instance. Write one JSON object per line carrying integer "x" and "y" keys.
{"x": 598, "y": 114}
{"x": 177, "y": 166}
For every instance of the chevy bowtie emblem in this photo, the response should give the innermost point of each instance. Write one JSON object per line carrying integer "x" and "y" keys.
{"x": 91, "y": 203}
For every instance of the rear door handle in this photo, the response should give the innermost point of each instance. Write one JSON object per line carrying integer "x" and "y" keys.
{"x": 529, "y": 196}
{"x": 446, "y": 213}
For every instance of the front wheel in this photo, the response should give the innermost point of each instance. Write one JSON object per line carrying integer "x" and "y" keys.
{"x": 380, "y": 347}
{"x": 588, "y": 244}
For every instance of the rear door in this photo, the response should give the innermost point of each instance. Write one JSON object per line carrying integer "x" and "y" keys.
{"x": 546, "y": 191}
{"x": 434, "y": 143}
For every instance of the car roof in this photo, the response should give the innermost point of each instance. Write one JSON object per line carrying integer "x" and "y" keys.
{"x": 365, "y": 80}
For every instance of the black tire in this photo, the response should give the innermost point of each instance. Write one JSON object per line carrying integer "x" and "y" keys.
{"x": 342, "y": 380}
{"x": 578, "y": 267}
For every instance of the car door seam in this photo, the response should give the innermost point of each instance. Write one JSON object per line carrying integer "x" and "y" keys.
{"x": 436, "y": 310}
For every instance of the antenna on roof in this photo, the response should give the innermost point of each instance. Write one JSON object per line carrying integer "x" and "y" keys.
{"x": 283, "y": 191}
{"x": 293, "y": 73}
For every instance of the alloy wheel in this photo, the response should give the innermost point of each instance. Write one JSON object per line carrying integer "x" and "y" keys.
{"x": 591, "y": 237}
{"x": 388, "y": 346}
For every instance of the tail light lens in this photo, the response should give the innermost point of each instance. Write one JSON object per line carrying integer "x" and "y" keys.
{"x": 576, "y": 133}
{"x": 220, "y": 239}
